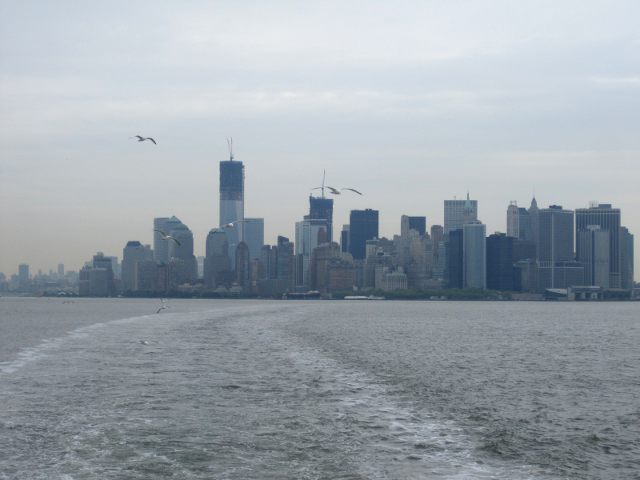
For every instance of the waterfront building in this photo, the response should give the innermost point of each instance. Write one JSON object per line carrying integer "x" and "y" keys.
{"x": 534, "y": 221}
{"x": 526, "y": 276}
{"x": 415, "y": 256}
{"x": 437, "y": 252}
{"x": 160, "y": 243}
{"x": 243, "y": 263}
{"x": 500, "y": 260}
{"x": 285, "y": 262}
{"x": 232, "y": 202}
{"x": 231, "y": 191}
{"x": 183, "y": 253}
{"x": 363, "y": 226}
{"x": 253, "y": 234}
{"x": 555, "y": 246}
{"x": 331, "y": 269}
{"x": 524, "y": 250}
{"x": 60, "y": 270}
{"x": 626, "y": 259}
{"x": 310, "y": 233}
{"x": 23, "y": 275}
{"x": 217, "y": 264}
{"x": 95, "y": 282}
{"x": 454, "y": 259}
{"x": 389, "y": 279}
{"x": 606, "y": 219}
{"x": 593, "y": 253}
{"x": 268, "y": 262}
{"x": 133, "y": 252}
{"x": 146, "y": 277}
{"x": 459, "y": 212}
{"x": 200, "y": 263}
{"x": 321, "y": 208}
{"x": 379, "y": 254}
{"x": 474, "y": 253}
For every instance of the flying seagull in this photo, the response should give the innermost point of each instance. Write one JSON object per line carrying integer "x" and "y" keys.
{"x": 164, "y": 305}
{"x": 352, "y": 190}
{"x": 167, "y": 237}
{"x": 142, "y": 139}
{"x": 332, "y": 190}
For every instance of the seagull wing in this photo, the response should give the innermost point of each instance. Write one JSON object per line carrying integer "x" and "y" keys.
{"x": 149, "y": 138}
{"x": 335, "y": 191}
{"x": 352, "y": 190}
{"x": 169, "y": 237}
{"x": 164, "y": 235}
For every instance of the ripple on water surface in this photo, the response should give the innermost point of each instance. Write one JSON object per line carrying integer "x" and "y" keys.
{"x": 256, "y": 391}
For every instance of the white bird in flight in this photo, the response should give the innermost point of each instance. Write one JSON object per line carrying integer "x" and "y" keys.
{"x": 167, "y": 237}
{"x": 142, "y": 139}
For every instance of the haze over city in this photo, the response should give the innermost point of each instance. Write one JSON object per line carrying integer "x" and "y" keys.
{"x": 411, "y": 104}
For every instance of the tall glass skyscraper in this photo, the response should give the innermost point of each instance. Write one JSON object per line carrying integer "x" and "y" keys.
{"x": 232, "y": 202}
{"x": 231, "y": 191}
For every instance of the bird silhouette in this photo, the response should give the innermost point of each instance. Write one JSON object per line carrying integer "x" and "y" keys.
{"x": 167, "y": 237}
{"x": 352, "y": 190}
{"x": 142, "y": 139}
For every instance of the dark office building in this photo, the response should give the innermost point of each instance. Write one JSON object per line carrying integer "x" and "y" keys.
{"x": 608, "y": 219}
{"x": 523, "y": 250}
{"x": 321, "y": 208}
{"x": 363, "y": 226}
{"x": 285, "y": 261}
{"x": 242, "y": 266}
{"x": 500, "y": 270}
{"x": 626, "y": 258}
{"x": 454, "y": 271}
{"x": 418, "y": 224}
{"x": 344, "y": 239}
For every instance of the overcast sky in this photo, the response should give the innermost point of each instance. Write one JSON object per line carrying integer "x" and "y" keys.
{"x": 410, "y": 102}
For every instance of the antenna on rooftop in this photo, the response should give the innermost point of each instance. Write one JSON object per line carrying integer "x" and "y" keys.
{"x": 230, "y": 145}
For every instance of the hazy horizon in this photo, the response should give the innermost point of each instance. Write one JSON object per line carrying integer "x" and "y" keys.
{"x": 412, "y": 104}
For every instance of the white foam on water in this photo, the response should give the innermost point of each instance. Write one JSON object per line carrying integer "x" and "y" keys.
{"x": 33, "y": 354}
{"x": 411, "y": 443}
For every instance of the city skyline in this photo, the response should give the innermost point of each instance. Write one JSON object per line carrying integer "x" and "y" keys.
{"x": 427, "y": 104}
{"x": 200, "y": 250}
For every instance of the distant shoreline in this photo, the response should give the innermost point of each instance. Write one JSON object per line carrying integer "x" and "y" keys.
{"x": 443, "y": 296}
